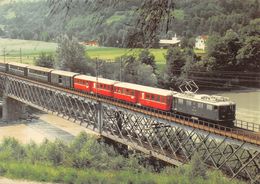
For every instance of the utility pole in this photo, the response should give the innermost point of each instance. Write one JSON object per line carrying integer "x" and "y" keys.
{"x": 4, "y": 55}
{"x": 96, "y": 77}
{"x": 120, "y": 69}
{"x": 21, "y": 55}
{"x": 120, "y": 73}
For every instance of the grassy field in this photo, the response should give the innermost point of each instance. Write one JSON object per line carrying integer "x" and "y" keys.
{"x": 31, "y": 49}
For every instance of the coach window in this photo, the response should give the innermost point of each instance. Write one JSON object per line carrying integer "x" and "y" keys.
{"x": 200, "y": 105}
{"x": 162, "y": 98}
{"x": 147, "y": 96}
{"x": 130, "y": 92}
{"x": 215, "y": 107}
{"x": 188, "y": 102}
{"x": 60, "y": 79}
{"x": 158, "y": 99}
{"x": 209, "y": 107}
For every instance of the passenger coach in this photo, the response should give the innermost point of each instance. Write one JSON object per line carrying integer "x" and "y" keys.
{"x": 94, "y": 85}
{"x": 63, "y": 78}
{"x": 84, "y": 83}
{"x": 39, "y": 73}
{"x": 17, "y": 69}
{"x": 3, "y": 66}
{"x": 143, "y": 95}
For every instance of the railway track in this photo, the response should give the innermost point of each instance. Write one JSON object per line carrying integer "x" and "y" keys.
{"x": 233, "y": 133}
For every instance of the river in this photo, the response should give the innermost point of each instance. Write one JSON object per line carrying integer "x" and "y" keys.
{"x": 47, "y": 126}
{"x": 248, "y": 103}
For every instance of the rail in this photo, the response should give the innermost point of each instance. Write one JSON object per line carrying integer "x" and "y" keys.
{"x": 235, "y": 133}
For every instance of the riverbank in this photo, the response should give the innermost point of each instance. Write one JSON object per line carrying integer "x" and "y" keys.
{"x": 12, "y": 181}
{"x": 44, "y": 126}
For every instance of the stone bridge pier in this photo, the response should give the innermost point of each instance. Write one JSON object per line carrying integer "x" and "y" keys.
{"x": 13, "y": 110}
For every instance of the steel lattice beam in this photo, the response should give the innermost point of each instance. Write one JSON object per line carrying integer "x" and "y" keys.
{"x": 168, "y": 141}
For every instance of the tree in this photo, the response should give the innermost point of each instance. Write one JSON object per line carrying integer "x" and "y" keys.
{"x": 224, "y": 50}
{"x": 45, "y": 60}
{"x": 145, "y": 75}
{"x": 153, "y": 16}
{"x": 190, "y": 59}
{"x": 134, "y": 71}
{"x": 147, "y": 58}
{"x": 175, "y": 60}
{"x": 248, "y": 57}
{"x": 71, "y": 56}
{"x": 2, "y": 33}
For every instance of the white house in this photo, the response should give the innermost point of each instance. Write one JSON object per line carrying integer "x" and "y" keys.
{"x": 200, "y": 42}
{"x": 171, "y": 42}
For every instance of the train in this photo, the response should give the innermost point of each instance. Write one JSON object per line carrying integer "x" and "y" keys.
{"x": 215, "y": 109}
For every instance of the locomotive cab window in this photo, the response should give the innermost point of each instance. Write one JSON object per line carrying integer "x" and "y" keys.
{"x": 60, "y": 79}
{"x": 188, "y": 103}
{"x": 180, "y": 101}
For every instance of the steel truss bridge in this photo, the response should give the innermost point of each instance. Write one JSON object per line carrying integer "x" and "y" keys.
{"x": 165, "y": 136}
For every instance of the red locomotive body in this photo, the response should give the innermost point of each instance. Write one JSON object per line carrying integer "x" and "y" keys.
{"x": 144, "y": 95}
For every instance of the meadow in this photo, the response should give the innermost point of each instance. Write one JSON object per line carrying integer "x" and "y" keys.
{"x": 32, "y": 49}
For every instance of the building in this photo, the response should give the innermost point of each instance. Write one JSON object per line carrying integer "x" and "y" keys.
{"x": 167, "y": 43}
{"x": 200, "y": 42}
{"x": 90, "y": 43}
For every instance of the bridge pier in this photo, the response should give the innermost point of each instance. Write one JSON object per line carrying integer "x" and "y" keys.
{"x": 12, "y": 109}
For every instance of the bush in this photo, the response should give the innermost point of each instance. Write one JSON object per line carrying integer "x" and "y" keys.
{"x": 45, "y": 60}
{"x": 86, "y": 160}
{"x": 11, "y": 149}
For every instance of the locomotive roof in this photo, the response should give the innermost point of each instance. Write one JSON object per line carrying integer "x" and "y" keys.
{"x": 147, "y": 89}
{"x": 203, "y": 98}
{"x": 18, "y": 64}
{"x": 39, "y": 68}
{"x": 94, "y": 79}
{"x": 64, "y": 73}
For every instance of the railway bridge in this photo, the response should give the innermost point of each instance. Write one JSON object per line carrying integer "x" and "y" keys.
{"x": 165, "y": 136}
